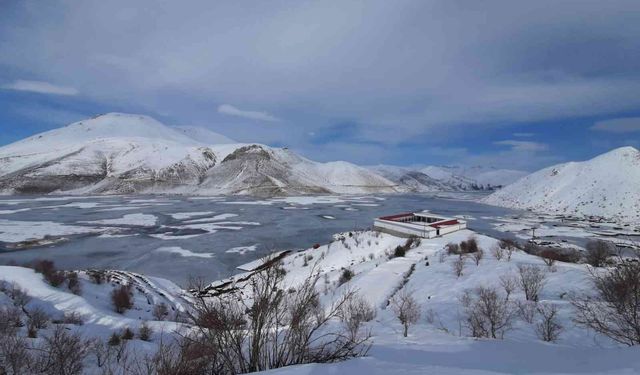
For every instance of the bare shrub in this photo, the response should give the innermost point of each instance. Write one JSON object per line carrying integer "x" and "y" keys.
{"x": 509, "y": 246}
{"x": 469, "y": 246}
{"x": 497, "y": 252}
{"x": 73, "y": 317}
{"x": 48, "y": 270}
{"x": 509, "y": 283}
{"x": 549, "y": 256}
{"x": 532, "y": 280}
{"x": 486, "y": 313}
{"x": 145, "y": 332}
{"x": 44, "y": 266}
{"x": 62, "y": 352}
{"x": 197, "y": 284}
{"x": 406, "y": 309}
{"x": 458, "y": 266}
{"x": 8, "y": 318}
{"x": 37, "y": 318}
{"x": 477, "y": 256}
{"x": 452, "y": 248}
{"x": 355, "y": 312}
{"x": 12, "y": 318}
{"x": 114, "y": 339}
{"x": 598, "y": 252}
{"x": 127, "y": 334}
{"x": 345, "y": 276}
{"x": 548, "y": 327}
{"x": 399, "y": 251}
{"x": 18, "y": 295}
{"x": 272, "y": 329}
{"x": 14, "y": 355}
{"x": 73, "y": 283}
{"x": 160, "y": 311}
{"x": 527, "y": 310}
{"x": 615, "y": 312}
{"x": 122, "y": 299}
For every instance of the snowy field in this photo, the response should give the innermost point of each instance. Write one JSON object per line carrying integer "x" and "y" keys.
{"x": 211, "y": 236}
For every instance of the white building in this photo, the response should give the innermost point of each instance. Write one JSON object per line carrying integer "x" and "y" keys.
{"x": 420, "y": 224}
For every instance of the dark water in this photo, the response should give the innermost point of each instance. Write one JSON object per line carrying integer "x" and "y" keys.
{"x": 279, "y": 229}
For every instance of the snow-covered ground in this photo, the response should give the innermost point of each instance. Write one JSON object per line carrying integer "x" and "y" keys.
{"x": 438, "y": 343}
{"x": 605, "y": 186}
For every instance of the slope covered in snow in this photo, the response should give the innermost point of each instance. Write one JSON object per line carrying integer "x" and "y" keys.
{"x": 440, "y": 341}
{"x": 122, "y": 153}
{"x": 203, "y": 135}
{"x": 605, "y": 186}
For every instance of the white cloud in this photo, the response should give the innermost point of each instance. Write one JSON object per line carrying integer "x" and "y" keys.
{"x": 523, "y": 145}
{"x": 523, "y": 135}
{"x": 618, "y": 125}
{"x": 228, "y": 109}
{"x": 39, "y": 87}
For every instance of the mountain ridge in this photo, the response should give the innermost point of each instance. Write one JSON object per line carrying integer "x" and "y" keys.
{"x": 605, "y": 186}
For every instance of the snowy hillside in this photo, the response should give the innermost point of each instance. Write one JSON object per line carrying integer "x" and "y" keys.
{"x": 439, "y": 341}
{"x": 122, "y": 153}
{"x": 605, "y": 186}
{"x": 203, "y": 135}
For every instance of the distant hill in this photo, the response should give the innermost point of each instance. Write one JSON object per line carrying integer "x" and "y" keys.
{"x": 605, "y": 186}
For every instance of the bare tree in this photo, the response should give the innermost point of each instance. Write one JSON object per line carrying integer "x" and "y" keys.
{"x": 532, "y": 280}
{"x": 62, "y": 353}
{"x": 160, "y": 311}
{"x": 509, "y": 283}
{"x": 509, "y": 246}
{"x": 355, "y": 312}
{"x": 458, "y": 266}
{"x": 270, "y": 328}
{"x": 14, "y": 354}
{"x": 527, "y": 310}
{"x": 598, "y": 252}
{"x": 548, "y": 327}
{"x": 37, "y": 319}
{"x": 477, "y": 256}
{"x": 615, "y": 312}
{"x": 406, "y": 309}
{"x": 549, "y": 257}
{"x": 486, "y": 313}
{"x": 497, "y": 252}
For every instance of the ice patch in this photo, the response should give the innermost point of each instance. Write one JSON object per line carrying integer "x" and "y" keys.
{"x": 213, "y": 218}
{"x": 188, "y": 215}
{"x": 19, "y": 231}
{"x": 143, "y": 220}
{"x": 183, "y": 252}
{"x": 7, "y": 212}
{"x": 242, "y": 249}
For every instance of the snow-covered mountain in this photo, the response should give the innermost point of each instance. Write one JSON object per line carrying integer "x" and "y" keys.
{"x": 472, "y": 178}
{"x": 204, "y": 135}
{"x": 605, "y": 186}
{"x": 123, "y": 153}
{"x": 413, "y": 180}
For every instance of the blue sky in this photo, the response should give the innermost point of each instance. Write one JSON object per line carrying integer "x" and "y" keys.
{"x": 511, "y": 84}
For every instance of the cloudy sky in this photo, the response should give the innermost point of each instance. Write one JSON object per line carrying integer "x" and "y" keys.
{"x": 512, "y": 84}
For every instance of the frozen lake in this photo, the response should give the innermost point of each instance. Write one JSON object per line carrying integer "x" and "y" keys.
{"x": 177, "y": 237}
